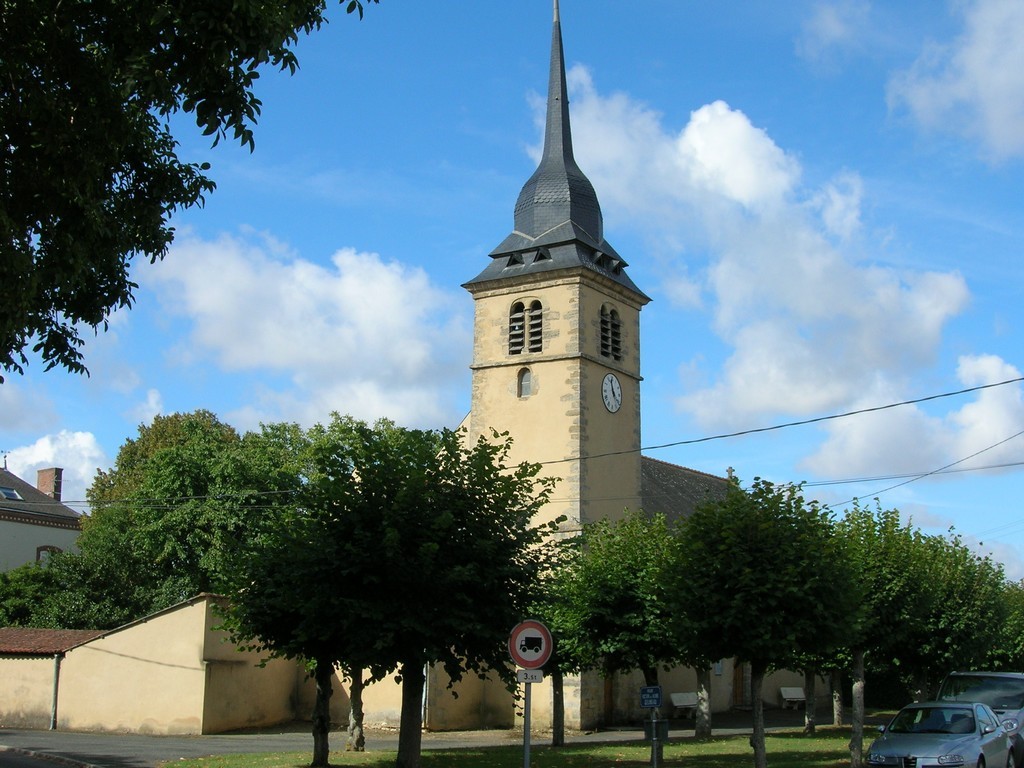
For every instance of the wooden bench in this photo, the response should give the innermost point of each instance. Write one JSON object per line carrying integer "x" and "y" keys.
{"x": 794, "y": 696}
{"x": 684, "y": 701}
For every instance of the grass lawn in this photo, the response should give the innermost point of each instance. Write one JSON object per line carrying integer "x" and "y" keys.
{"x": 827, "y": 749}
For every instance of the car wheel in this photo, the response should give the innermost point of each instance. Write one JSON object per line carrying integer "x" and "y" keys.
{"x": 981, "y": 761}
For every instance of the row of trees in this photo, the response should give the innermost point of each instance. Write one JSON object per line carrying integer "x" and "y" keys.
{"x": 377, "y": 549}
{"x": 767, "y": 578}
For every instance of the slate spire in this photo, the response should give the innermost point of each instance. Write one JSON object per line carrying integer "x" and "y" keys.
{"x": 558, "y": 191}
{"x": 558, "y": 222}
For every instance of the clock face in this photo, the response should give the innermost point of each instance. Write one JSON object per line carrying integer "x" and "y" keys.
{"x": 611, "y": 393}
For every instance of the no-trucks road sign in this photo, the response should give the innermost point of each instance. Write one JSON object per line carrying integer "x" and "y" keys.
{"x": 530, "y": 644}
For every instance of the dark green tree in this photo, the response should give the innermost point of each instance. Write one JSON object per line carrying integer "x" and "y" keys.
{"x": 160, "y": 520}
{"x": 608, "y": 602}
{"x": 89, "y": 169}
{"x": 404, "y": 548}
{"x": 1008, "y": 653}
{"x": 896, "y": 594}
{"x": 766, "y": 581}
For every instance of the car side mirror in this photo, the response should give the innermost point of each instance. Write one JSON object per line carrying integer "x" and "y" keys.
{"x": 881, "y": 729}
{"x": 987, "y": 728}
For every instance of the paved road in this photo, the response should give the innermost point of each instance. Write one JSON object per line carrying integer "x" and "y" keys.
{"x": 106, "y": 750}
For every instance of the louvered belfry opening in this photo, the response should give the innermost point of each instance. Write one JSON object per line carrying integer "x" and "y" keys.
{"x": 536, "y": 327}
{"x": 611, "y": 334}
{"x": 516, "y": 328}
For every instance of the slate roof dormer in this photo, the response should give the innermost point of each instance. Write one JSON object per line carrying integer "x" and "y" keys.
{"x": 558, "y": 222}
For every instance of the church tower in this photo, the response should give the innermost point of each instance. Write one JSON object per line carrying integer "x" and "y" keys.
{"x": 556, "y": 354}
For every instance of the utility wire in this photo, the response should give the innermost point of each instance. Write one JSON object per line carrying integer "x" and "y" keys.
{"x": 709, "y": 438}
{"x": 937, "y": 471}
{"x": 800, "y": 423}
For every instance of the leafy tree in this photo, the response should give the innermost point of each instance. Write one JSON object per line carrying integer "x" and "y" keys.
{"x": 613, "y": 614}
{"x": 966, "y": 616}
{"x": 1008, "y": 653}
{"x": 161, "y": 518}
{"x": 22, "y": 591}
{"x": 893, "y": 578}
{"x": 766, "y": 580}
{"x": 90, "y": 171}
{"x": 404, "y": 548}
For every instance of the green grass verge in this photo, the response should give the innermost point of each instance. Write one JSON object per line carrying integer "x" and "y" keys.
{"x": 826, "y": 749}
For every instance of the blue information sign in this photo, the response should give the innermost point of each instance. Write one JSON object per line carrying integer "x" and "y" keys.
{"x": 650, "y": 696}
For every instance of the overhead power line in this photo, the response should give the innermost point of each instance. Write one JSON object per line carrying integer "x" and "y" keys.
{"x": 802, "y": 422}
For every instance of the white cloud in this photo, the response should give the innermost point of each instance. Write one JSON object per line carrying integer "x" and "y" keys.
{"x": 78, "y": 453}
{"x": 995, "y": 414}
{"x": 360, "y": 335}
{"x": 812, "y": 321}
{"x": 907, "y": 440}
{"x": 23, "y": 409}
{"x": 832, "y": 28}
{"x": 974, "y": 85}
{"x": 148, "y": 409}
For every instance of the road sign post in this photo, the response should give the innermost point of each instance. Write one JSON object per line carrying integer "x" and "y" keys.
{"x": 530, "y": 646}
{"x": 650, "y": 698}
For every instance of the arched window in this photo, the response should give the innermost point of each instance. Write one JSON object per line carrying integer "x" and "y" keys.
{"x": 611, "y": 333}
{"x": 525, "y": 328}
{"x": 524, "y": 384}
{"x": 44, "y": 552}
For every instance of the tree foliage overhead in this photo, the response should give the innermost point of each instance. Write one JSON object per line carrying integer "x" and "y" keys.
{"x": 89, "y": 169}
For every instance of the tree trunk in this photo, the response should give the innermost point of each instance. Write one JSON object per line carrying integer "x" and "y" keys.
{"x": 757, "y": 670}
{"x": 837, "y": 696}
{"x": 356, "y": 742}
{"x": 410, "y": 735}
{"x": 922, "y": 687}
{"x": 810, "y": 700}
{"x": 322, "y": 674}
{"x": 857, "y": 716}
{"x": 557, "y": 708}
{"x": 702, "y": 725}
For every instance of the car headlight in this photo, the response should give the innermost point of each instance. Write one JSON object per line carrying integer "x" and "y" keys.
{"x": 951, "y": 759}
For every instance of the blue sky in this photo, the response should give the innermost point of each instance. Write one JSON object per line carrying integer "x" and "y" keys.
{"x": 822, "y": 199}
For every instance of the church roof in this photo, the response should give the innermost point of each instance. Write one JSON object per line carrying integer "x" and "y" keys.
{"x": 558, "y": 222}
{"x": 677, "y": 491}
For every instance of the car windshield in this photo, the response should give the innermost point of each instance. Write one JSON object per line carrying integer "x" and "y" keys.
{"x": 997, "y": 692}
{"x": 933, "y": 720}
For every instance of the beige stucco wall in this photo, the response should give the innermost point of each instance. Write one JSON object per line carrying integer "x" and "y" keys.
{"x": 171, "y": 674}
{"x": 26, "y": 691}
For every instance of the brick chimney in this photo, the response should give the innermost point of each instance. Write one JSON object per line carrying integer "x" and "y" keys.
{"x": 49, "y": 481}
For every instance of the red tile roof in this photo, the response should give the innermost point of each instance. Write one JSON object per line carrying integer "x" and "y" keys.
{"x": 30, "y": 641}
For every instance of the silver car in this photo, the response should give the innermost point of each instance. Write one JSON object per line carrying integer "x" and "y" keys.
{"x": 1003, "y": 691}
{"x": 944, "y": 733}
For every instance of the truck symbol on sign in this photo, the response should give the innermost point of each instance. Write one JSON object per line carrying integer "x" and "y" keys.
{"x": 531, "y": 643}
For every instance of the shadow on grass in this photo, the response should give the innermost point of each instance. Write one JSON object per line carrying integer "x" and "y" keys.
{"x": 825, "y": 749}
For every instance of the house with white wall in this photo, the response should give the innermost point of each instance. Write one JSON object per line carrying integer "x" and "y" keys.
{"x": 33, "y": 522}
